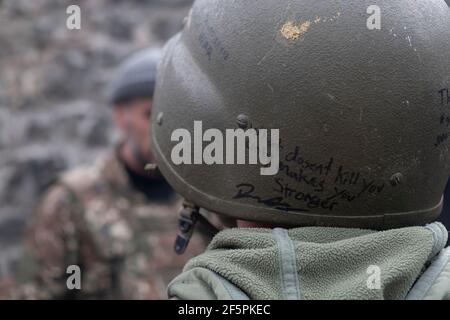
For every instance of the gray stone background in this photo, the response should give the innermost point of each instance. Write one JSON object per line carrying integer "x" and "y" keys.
{"x": 53, "y": 81}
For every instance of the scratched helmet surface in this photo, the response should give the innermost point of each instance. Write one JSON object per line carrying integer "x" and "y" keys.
{"x": 362, "y": 113}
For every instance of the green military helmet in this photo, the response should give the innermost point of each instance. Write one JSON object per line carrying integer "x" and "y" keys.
{"x": 362, "y": 106}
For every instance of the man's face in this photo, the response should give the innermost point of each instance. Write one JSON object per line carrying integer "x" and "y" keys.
{"x": 133, "y": 119}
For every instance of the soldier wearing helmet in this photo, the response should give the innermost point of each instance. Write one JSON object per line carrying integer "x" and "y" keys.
{"x": 363, "y": 147}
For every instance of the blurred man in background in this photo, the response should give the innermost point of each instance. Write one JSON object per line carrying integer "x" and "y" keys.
{"x": 115, "y": 221}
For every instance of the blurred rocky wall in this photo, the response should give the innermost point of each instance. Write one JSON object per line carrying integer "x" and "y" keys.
{"x": 53, "y": 84}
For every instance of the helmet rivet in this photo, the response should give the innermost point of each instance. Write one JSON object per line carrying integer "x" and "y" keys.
{"x": 159, "y": 118}
{"x": 396, "y": 179}
{"x": 242, "y": 121}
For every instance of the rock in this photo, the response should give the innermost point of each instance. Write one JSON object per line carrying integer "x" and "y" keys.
{"x": 29, "y": 171}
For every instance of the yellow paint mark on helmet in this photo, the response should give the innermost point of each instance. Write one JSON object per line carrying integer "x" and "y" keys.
{"x": 293, "y": 32}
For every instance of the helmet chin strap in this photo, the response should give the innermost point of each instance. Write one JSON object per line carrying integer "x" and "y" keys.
{"x": 189, "y": 216}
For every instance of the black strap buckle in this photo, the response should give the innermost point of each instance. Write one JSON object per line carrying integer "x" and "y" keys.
{"x": 186, "y": 223}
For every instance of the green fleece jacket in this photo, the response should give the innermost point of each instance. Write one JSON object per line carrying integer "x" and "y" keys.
{"x": 320, "y": 263}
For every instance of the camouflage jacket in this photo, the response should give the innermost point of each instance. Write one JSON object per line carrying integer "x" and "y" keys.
{"x": 123, "y": 245}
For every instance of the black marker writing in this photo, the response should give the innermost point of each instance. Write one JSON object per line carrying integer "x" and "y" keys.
{"x": 247, "y": 191}
{"x": 445, "y": 97}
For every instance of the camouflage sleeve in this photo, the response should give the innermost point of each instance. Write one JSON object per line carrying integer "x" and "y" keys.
{"x": 51, "y": 246}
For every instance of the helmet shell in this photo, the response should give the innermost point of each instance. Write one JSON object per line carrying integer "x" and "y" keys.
{"x": 363, "y": 114}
